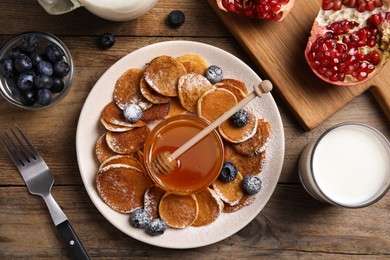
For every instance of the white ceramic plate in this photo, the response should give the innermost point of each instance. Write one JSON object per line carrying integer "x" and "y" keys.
{"x": 89, "y": 130}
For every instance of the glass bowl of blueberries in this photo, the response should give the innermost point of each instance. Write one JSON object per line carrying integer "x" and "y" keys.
{"x": 36, "y": 70}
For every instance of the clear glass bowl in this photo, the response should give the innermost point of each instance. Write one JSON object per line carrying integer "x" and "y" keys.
{"x": 9, "y": 90}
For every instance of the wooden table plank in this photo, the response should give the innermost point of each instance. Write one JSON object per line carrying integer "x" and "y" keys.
{"x": 292, "y": 225}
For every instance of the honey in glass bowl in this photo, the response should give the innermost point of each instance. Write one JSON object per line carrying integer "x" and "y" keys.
{"x": 198, "y": 167}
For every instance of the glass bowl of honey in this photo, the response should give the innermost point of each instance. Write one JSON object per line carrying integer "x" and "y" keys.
{"x": 198, "y": 167}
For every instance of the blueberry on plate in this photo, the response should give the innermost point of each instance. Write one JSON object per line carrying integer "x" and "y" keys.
{"x": 25, "y": 81}
{"x": 7, "y": 68}
{"x": 45, "y": 67}
{"x": 240, "y": 118}
{"x": 176, "y": 18}
{"x": 157, "y": 227}
{"x": 229, "y": 172}
{"x": 214, "y": 74}
{"x": 251, "y": 184}
{"x": 54, "y": 53}
{"x": 61, "y": 69}
{"x": 106, "y": 41}
{"x": 139, "y": 218}
{"x": 44, "y": 97}
{"x": 132, "y": 113}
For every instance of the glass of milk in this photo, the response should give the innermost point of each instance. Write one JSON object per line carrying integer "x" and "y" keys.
{"x": 348, "y": 165}
{"x": 113, "y": 10}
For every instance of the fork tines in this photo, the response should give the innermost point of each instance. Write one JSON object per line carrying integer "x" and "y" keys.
{"x": 21, "y": 153}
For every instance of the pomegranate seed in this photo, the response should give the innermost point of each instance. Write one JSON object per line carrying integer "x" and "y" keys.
{"x": 375, "y": 58}
{"x": 341, "y": 76}
{"x": 361, "y": 76}
{"x": 370, "y": 68}
{"x": 334, "y": 77}
{"x": 360, "y": 56}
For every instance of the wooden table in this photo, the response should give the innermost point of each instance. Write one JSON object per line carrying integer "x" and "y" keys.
{"x": 292, "y": 225}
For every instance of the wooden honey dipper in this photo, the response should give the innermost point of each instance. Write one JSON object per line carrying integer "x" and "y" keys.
{"x": 165, "y": 162}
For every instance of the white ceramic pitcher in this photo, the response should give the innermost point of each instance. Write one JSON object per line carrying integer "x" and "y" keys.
{"x": 113, "y": 10}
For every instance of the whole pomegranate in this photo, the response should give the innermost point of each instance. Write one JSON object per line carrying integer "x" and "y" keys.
{"x": 349, "y": 41}
{"x": 274, "y": 10}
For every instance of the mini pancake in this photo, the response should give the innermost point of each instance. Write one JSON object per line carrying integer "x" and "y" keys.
{"x": 112, "y": 114}
{"x": 230, "y": 192}
{"x": 151, "y": 95}
{"x": 139, "y": 155}
{"x": 240, "y": 95}
{"x": 193, "y": 67}
{"x": 190, "y": 88}
{"x": 124, "y": 160}
{"x": 244, "y": 201}
{"x": 156, "y": 112}
{"x": 176, "y": 108}
{"x": 127, "y": 90}
{"x": 114, "y": 128}
{"x": 193, "y": 63}
{"x": 122, "y": 188}
{"x": 210, "y": 207}
{"x": 178, "y": 211}
{"x": 214, "y": 102}
{"x": 245, "y": 164}
{"x": 163, "y": 73}
{"x": 235, "y": 134}
{"x": 152, "y": 199}
{"x": 237, "y": 83}
{"x": 102, "y": 150}
{"x": 256, "y": 143}
{"x": 127, "y": 142}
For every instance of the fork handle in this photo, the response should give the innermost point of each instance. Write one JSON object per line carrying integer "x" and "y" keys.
{"x": 72, "y": 241}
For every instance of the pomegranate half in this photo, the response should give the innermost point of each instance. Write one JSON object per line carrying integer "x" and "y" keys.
{"x": 275, "y": 10}
{"x": 349, "y": 41}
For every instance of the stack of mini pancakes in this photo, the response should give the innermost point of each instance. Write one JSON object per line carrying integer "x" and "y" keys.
{"x": 169, "y": 86}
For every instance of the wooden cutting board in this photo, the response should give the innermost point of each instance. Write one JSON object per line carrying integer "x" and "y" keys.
{"x": 277, "y": 49}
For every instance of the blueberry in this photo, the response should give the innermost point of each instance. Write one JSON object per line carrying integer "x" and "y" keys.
{"x": 132, "y": 113}
{"x": 61, "y": 69}
{"x": 251, "y": 184}
{"x": 157, "y": 227}
{"x": 240, "y": 118}
{"x": 43, "y": 81}
{"x": 36, "y": 57}
{"x": 29, "y": 42}
{"x": 44, "y": 97}
{"x": 54, "y": 53}
{"x": 139, "y": 218}
{"x": 106, "y": 40}
{"x": 25, "y": 81}
{"x": 28, "y": 97}
{"x": 16, "y": 52}
{"x": 228, "y": 172}
{"x": 214, "y": 74}
{"x": 176, "y": 18}
{"x": 45, "y": 67}
{"x": 58, "y": 85}
{"x": 7, "y": 68}
{"x": 23, "y": 63}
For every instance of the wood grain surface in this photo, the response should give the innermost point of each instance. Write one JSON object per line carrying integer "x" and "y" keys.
{"x": 293, "y": 225}
{"x": 277, "y": 49}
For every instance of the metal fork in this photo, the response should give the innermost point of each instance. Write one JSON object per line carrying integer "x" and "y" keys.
{"x": 39, "y": 181}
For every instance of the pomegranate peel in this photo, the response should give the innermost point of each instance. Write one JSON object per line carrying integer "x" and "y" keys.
{"x": 349, "y": 41}
{"x": 275, "y": 10}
